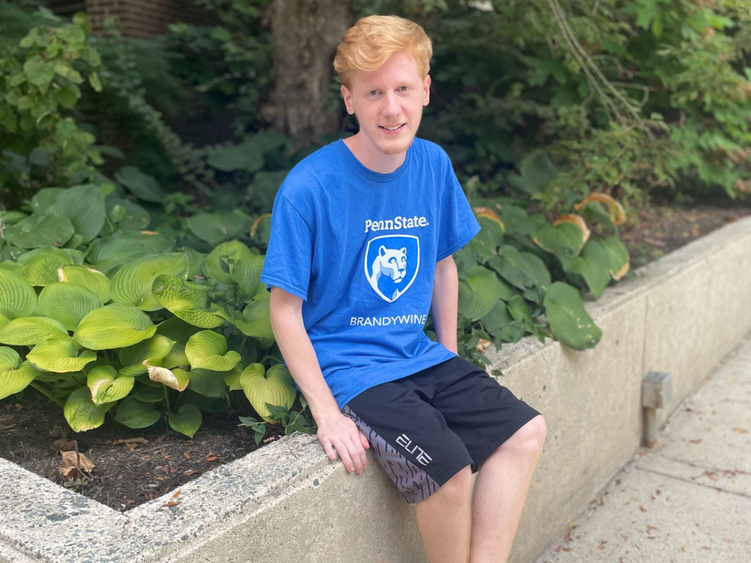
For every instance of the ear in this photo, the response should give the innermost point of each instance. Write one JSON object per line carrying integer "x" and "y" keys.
{"x": 426, "y": 90}
{"x": 347, "y": 95}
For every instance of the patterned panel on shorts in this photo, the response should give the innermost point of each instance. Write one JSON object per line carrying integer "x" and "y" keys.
{"x": 414, "y": 483}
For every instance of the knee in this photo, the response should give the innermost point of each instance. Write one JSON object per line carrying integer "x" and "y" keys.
{"x": 530, "y": 438}
{"x": 458, "y": 489}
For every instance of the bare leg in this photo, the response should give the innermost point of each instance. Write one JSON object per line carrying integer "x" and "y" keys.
{"x": 444, "y": 520}
{"x": 501, "y": 491}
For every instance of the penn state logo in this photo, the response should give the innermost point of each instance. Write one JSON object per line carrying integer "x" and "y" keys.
{"x": 391, "y": 264}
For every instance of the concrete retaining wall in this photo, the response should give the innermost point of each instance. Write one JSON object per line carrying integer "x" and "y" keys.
{"x": 287, "y": 501}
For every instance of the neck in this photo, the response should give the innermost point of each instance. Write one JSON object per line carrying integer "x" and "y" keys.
{"x": 373, "y": 159}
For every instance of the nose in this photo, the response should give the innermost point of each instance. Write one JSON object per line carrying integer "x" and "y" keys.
{"x": 391, "y": 105}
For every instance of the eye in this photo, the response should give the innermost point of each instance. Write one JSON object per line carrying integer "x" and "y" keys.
{"x": 373, "y": 93}
{"x": 403, "y": 88}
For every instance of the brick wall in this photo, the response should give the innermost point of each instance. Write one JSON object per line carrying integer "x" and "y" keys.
{"x": 143, "y": 19}
{"x": 139, "y": 18}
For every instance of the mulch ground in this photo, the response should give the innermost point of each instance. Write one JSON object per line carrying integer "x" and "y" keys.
{"x": 130, "y": 466}
{"x": 134, "y": 466}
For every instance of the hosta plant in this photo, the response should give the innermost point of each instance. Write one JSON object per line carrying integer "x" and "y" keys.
{"x": 123, "y": 324}
{"x": 521, "y": 274}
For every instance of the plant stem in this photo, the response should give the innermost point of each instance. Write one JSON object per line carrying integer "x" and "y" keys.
{"x": 47, "y": 394}
{"x": 166, "y": 398}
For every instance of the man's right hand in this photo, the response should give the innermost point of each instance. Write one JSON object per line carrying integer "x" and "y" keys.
{"x": 340, "y": 435}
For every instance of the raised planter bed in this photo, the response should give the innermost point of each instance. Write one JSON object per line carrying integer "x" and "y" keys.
{"x": 681, "y": 315}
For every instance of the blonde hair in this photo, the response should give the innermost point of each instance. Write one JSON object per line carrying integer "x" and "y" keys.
{"x": 373, "y": 39}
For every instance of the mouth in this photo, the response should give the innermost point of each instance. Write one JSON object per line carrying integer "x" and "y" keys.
{"x": 392, "y": 128}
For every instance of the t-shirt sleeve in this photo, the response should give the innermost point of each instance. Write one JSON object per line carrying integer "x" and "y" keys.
{"x": 458, "y": 223}
{"x": 290, "y": 252}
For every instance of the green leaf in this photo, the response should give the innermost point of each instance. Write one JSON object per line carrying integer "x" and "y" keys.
{"x": 142, "y": 185}
{"x": 136, "y": 217}
{"x": 108, "y": 252}
{"x": 81, "y": 412}
{"x": 187, "y": 420}
{"x": 497, "y": 318}
{"x": 148, "y": 394}
{"x": 67, "y": 303}
{"x": 28, "y": 331}
{"x": 618, "y": 257}
{"x": 206, "y": 349}
{"x": 136, "y": 414}
{"x": 246, "y": 273}
{"x": 232, "y": 378}
{"x": 569, "y": 320}
{"x": 39, "y": 73}
{"x": 44, "y": 199}
{"x": 106, "y": 386}
{"x": 179, "y": 331}
{"x": 273, "y": 387}
{"x": 220, "y": 261}
{"x": 188, "y": 303}
{"x": 85, "y": 276}
{"x": 59, "y": 356}
{"x": 564, "y": 239}
{"x": 216, "y": 227}
{"x": 17, "y": 296}
{"x": 147, "y": 352}
{"x": 113, "y": 326}
{"x": 15, "y": 376}
{"x": 96, "y": 84}
{"x": 207, "y": 382}
{"x": 521, "y": 269}
{"x": 537, "y": 171}
{"x": 39, "y": 231}
{"x": 592, "y": 265}
{"x": 40, "y": 266}
{"x": 245, "y": 156}
{"x": 83, "y": 206}
{"x": 255, "y": 322}
{"x": 132, "y": 283}
{"x": 479, "y": 292}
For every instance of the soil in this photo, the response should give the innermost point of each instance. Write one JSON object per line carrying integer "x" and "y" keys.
{"x": 137, "y": 466}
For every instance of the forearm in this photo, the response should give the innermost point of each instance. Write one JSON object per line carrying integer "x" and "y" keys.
{"x": 444, "y": 305}
{"x": 300, "y": 357}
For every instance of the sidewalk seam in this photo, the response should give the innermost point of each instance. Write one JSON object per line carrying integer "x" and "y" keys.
{"x": 720, "y": 489}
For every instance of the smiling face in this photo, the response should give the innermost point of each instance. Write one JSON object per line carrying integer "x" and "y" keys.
{"x": 388, "y": 105}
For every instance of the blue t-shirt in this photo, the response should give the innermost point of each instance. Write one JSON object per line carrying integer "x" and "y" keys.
{"x": 360, "y": 248}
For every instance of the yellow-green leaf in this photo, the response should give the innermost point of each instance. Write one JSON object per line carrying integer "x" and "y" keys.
{"x": 28, "y": 331}
{"x": 91, "y": 279}
{"x": 187, "y": 420}
{"x": 106, "y": 386}
{"x": 187, "y": 303}
{"x": 151, "y": 352}
{"x": 113, "y": 326}
{"x": 275, "y": 387}
{"x": 81, "y": 412}
{"x": 17, "y": 297}
{"x": 132, "y": 283}
{"x": 59, "y": 356}
{"x": 40, "y": 266}
{"x": 15, "y": 375}
{"x": 206, "y": 349}
{"x": 67, "y": 303}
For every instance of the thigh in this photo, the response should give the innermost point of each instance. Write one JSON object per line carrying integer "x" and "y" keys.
{"x": 481, "y": 411}
{"x": 408, "y": 437}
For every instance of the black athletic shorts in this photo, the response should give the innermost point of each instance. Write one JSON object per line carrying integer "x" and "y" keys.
{"x": 424, "y": 428}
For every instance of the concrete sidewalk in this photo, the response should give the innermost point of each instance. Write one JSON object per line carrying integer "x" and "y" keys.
{"x": 689, "y": 498}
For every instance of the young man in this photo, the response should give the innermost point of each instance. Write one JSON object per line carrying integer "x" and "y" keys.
{"x": 361, "y": 241}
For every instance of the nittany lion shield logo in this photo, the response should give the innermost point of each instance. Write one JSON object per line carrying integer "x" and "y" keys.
{"x": 391, "y": 264}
